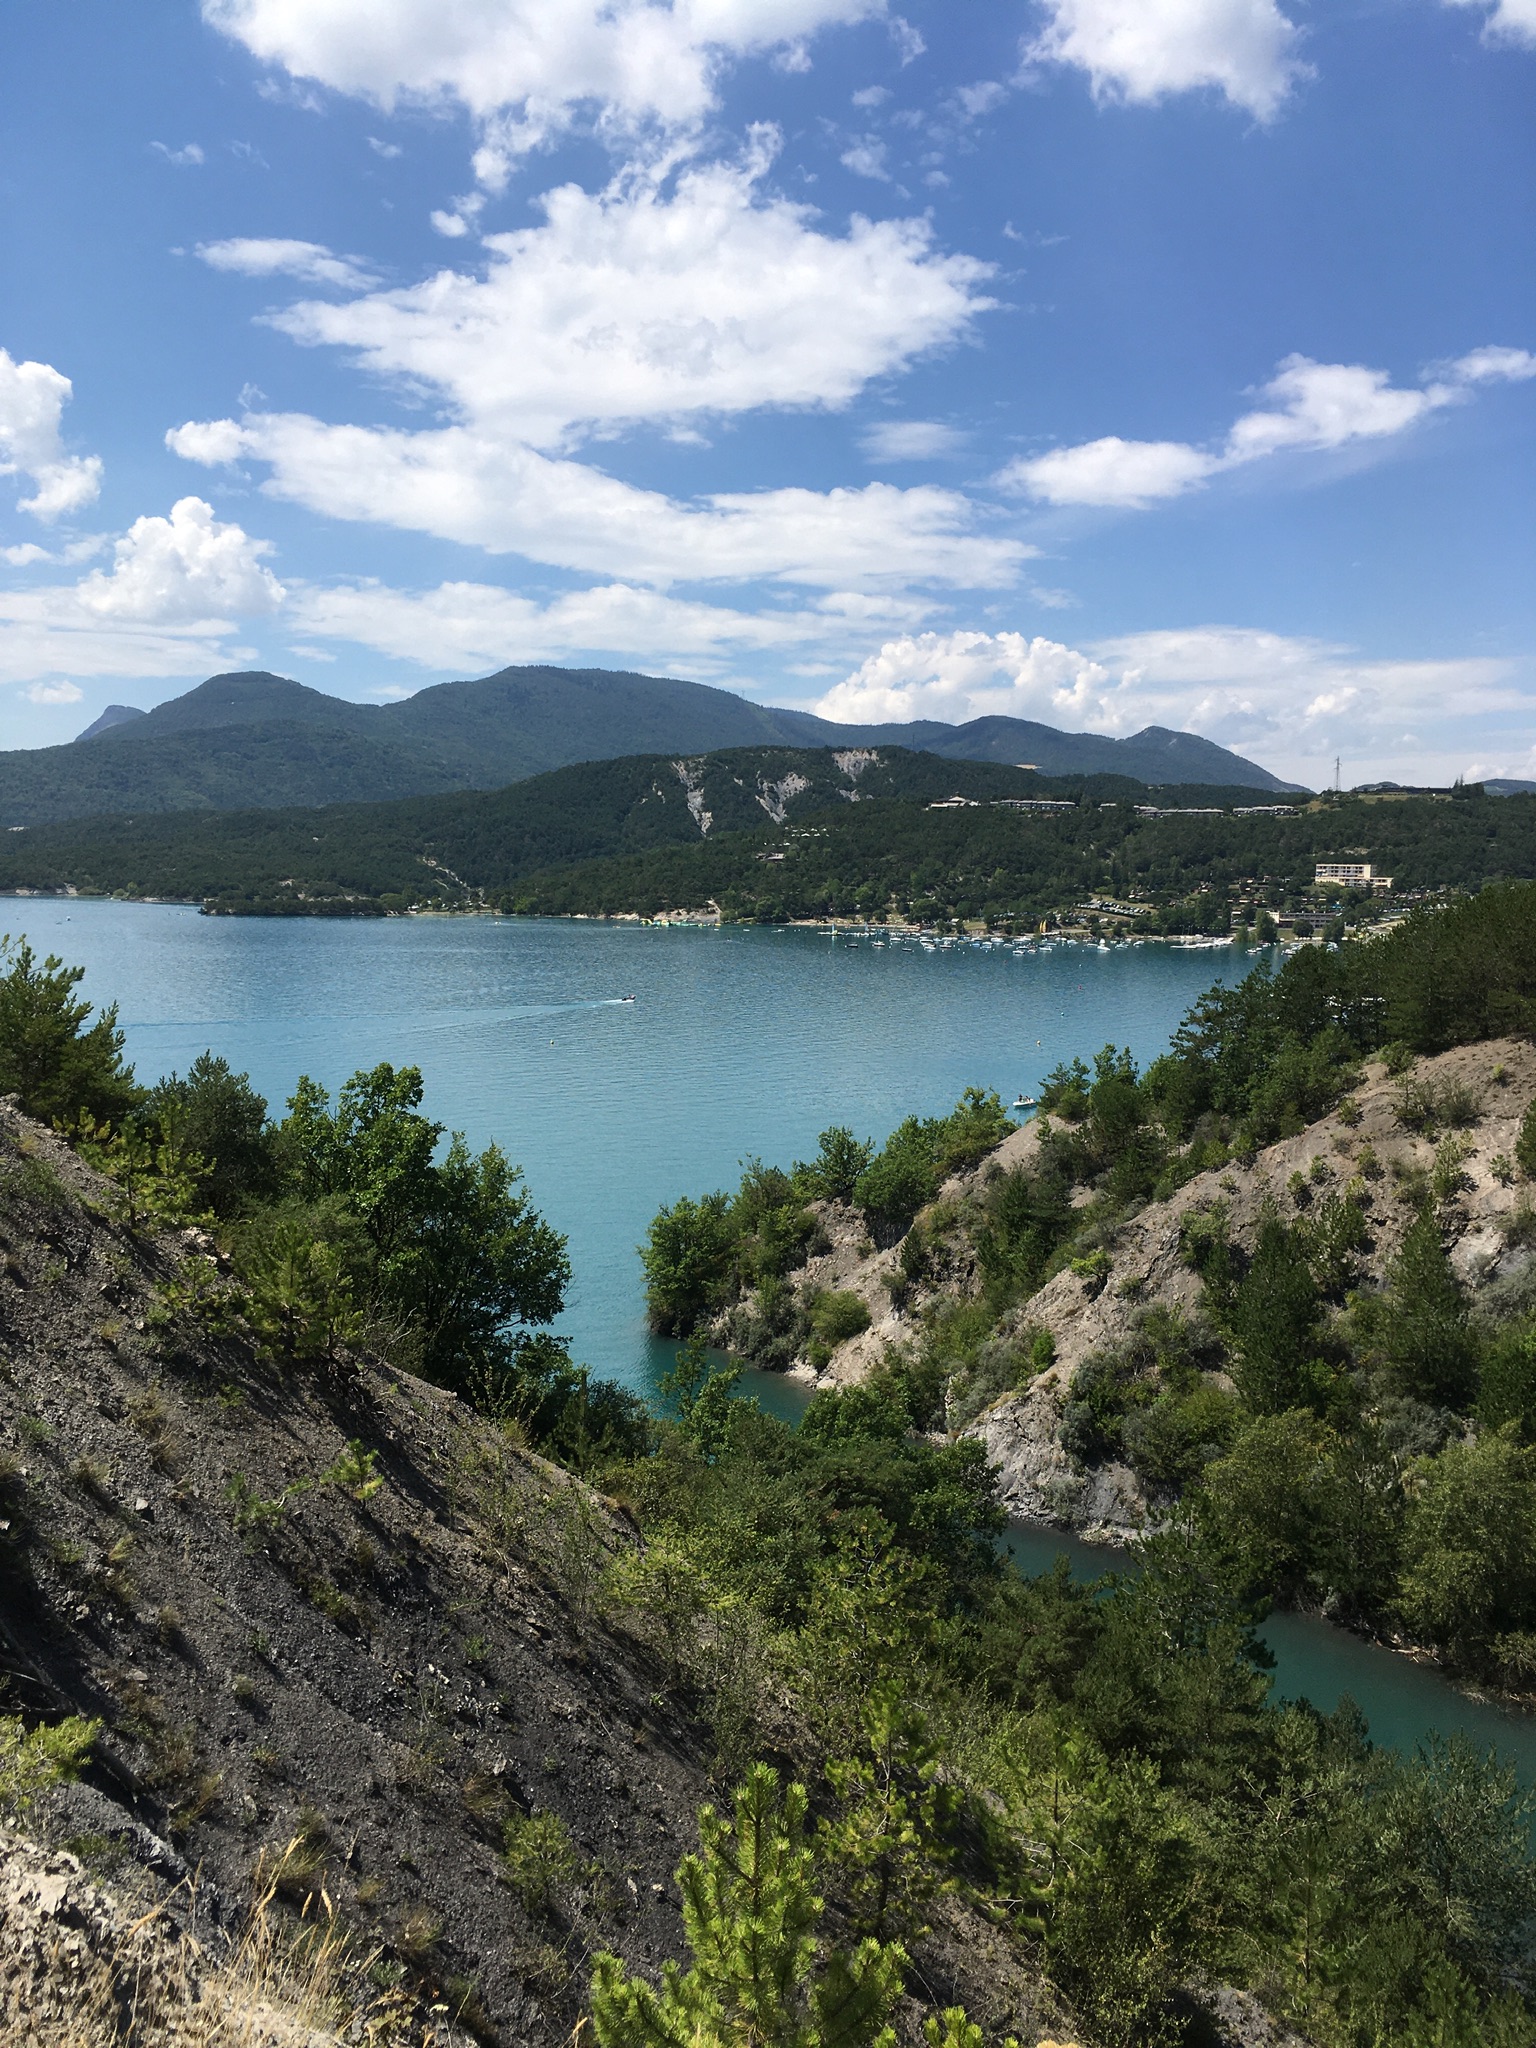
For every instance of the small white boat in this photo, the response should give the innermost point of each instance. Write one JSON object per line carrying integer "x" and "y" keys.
{"x": 1025, "y": 1102}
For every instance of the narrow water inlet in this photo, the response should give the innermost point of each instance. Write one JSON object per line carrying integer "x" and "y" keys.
{"x": 1403, "y": 1701}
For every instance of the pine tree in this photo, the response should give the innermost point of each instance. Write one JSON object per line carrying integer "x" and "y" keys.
{"x": 886, "y": 1837}
{"x": 760, "y": 1978}
{"x": 1427, "y": 1343}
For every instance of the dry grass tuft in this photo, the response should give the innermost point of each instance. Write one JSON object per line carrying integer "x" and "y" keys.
{"x": 79, "y": 1970}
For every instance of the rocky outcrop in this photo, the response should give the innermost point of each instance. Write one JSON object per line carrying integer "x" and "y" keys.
{"x": 1369, "y": 1147}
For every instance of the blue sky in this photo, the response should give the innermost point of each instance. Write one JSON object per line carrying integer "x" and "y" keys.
{"x": 1108, "y": 362}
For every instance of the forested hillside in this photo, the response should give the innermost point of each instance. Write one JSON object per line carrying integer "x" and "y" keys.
{"x": 779, "y": 833}
{"x": 1190, "y": 873}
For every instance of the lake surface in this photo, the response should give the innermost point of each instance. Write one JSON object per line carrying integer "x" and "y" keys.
{"x": 740, "y": 1041}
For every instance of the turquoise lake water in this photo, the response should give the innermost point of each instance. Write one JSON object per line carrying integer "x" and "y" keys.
{"x": 739, "y": 1042}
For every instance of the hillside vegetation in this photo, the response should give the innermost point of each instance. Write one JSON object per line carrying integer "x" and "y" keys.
{"x": 1275, "y": 1299}
{"x": 775, "y": 833}
{"x": 255, "y": 739}
{"x": 327, "y": 1572}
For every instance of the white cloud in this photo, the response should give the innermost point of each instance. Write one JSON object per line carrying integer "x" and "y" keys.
{"x": 1495, "y": 366}
{"x": 163, "y": 610}
{"x": 627, "y": 306}
{"x": 271, "y": 256}
{"x": 190, "y": 153}
{"x": 1313, "y": 406}
{"x": 1509, "y": 21}
{"x": 183, "y": 570}
{"x": 477, "y": 625}
{"x": 634, "y": 304}
{"x": 525, "y": 67}
{"x": 1143, "y": 50}
{"x": 908, "y": 40}
{"x": 388, "y": 150}
{"x": 24, "y": 555}
{"x": 1289, "y": 703}
{"x": 1110, "y": 472}
{"x": 32, "y": 401}
{"x": 866, "y": 158}
{"x": 508, "y": 499}
{"x": 871, "y": 95}
{"x": 54, "y": 693}
{"x": 982, "y": 98}
{"x": 959, "y": 676}
{"x": 910, "y": 440}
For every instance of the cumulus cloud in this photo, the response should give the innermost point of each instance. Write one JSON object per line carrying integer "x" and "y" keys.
{"x": 272, "y": 256}
{"x": 509, "y": 499}
{"x": 164, "y": 609}
{"x": 477, "y": 625}
{"x": 525, "y": 67}
{"x": 61, "y": 692}
{"x": 1506, "y": 21}
{"x": 866, "y": 158}
{"x": 1145, "y": 50}
{"x": 910, "y": 440}
{"x": 635, "y": 303}
{"x": 1291, "y": 703}
{"x": 32, "y": 401}
{"x": 1110, "y": 472}
{"x": 183, "y": 569}
{"x": 1312, "y": 406}
{"x": 190, "y": 153}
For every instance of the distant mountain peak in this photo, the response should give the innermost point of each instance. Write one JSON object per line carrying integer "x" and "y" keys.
{"x": 115, "y": 714}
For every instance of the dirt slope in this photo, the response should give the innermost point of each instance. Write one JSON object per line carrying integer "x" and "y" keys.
{"x": 283, "y": 1652}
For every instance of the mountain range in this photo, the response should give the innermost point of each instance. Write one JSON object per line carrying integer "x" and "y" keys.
{"x": 255, "y": 740}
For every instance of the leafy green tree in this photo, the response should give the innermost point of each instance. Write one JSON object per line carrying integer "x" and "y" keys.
{"x": 1507, "y": 1385}
{"x": 301, "y": 1296}
{"x": 704, "y": 1393}
{"x": 901, "y": 1179}
{"x": 760, "y": 1978}
{"x": 1266, "y": 1499}
{"x": 214, "y": 1115}
{"x": 61, "y": 1066}
{"x": 154, "y": 1178}
{"x": 1469, "y": 1545}
{"x": 833, "y": 1174}
{"x": 453, "y": 1251}
{"x": 687, "y": 1259}
{"x": 1275, "y": 1314}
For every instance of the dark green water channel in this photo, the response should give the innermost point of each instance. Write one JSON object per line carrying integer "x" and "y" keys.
{"x": 1402, "y": 1701}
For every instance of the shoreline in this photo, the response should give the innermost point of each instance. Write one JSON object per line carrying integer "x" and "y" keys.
{"x": 693, "y": 920}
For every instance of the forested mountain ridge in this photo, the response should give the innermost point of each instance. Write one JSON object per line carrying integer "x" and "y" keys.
{"x": 466, "y": 848}
{"x": 782, "y": 833}
{"x": 253, "y": 738}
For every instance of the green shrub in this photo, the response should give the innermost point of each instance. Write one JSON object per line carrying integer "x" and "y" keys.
{"x": 1525, "y": 1144}
{"x": 539, "y": 1858}
{"x": 33, "y": 1759}
{"x": 837, "y": 1317}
